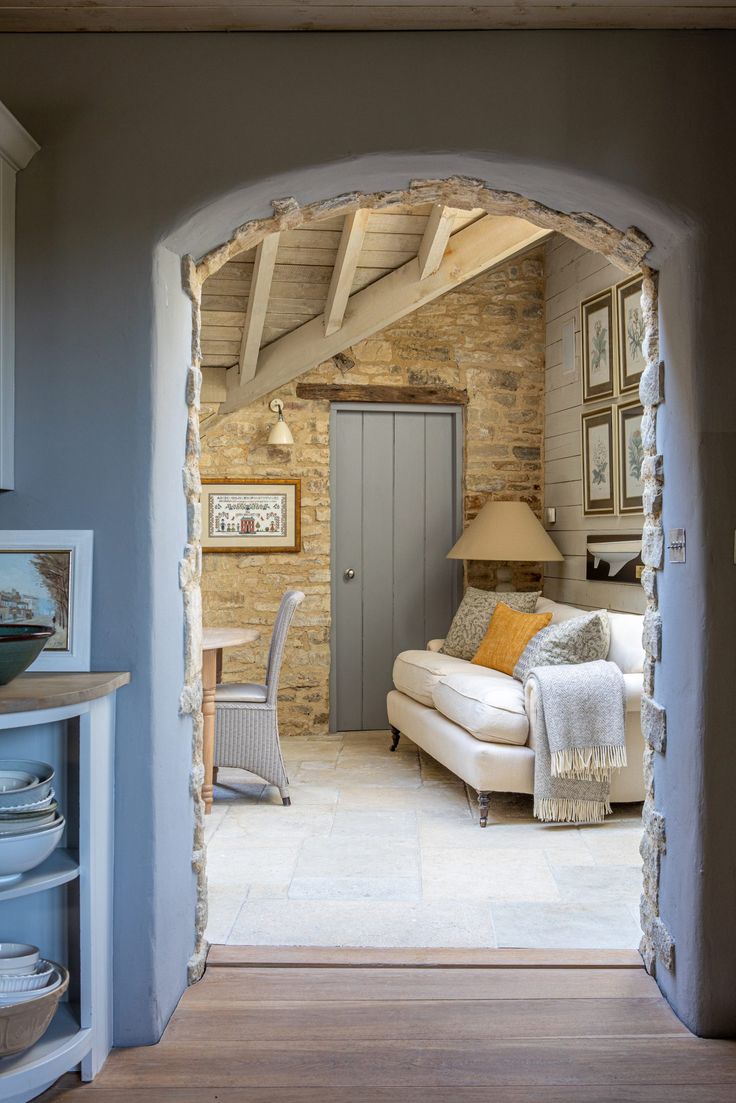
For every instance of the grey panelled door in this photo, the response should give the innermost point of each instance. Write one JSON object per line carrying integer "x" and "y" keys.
{"x": 395, "y": 515}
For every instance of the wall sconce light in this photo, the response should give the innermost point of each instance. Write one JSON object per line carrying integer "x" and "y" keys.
{"x": 280, "y": 433}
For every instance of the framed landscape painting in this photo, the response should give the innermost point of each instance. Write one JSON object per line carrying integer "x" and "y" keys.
{"x": 46, "y": 578}
{"x": 598, "y": 463}
{"x": 631, "y": 361}
{"x": 599, "y": 340}
{"x": 631, "y": 455}
{"x": 251, "y": 515}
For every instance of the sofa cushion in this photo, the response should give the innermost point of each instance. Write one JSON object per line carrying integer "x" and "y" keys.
{"x": 474, "y": 615}
{"x": 582, "y": 639}
{"x": 487, "y": 703}
{"x": 508, "y": 634}
{"x": 626, "y": 649}
{"x": 416, "y": 673}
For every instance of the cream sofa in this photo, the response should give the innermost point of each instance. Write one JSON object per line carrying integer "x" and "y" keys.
{"x": 476, "y": 721}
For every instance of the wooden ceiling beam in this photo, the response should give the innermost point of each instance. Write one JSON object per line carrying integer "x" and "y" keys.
{"x": 477, "y": 247}
{"x": 434, "y": 242}
{"x": 255, "y": 317}
{"x": 343, "y": 274}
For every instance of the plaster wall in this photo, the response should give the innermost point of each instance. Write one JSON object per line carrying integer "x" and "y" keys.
{"x": 135, "y": 153}
{"x": 573, "y": 274}
{"x": 485, "y": 338}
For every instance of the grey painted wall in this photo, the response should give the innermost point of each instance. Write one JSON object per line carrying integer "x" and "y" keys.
{"x": 177, "y": 139}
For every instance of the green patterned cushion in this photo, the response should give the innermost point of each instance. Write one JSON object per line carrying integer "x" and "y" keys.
{"x": 579, "y": 640}
{"x": 473, "y": 617}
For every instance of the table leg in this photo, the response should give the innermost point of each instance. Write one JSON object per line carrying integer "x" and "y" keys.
{"x": 209, "y": 685}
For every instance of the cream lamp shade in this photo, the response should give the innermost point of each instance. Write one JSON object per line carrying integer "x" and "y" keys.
{"x": 280, "y": 432}
{"x": 506, "y": 531}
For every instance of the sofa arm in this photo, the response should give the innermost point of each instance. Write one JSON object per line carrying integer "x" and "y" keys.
{"x": 434, "y": 645}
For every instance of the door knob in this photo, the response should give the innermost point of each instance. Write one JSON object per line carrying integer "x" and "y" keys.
{"x": 349, "y": 574}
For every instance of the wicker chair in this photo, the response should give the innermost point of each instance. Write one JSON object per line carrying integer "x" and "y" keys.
{"x": 246, "y": 715}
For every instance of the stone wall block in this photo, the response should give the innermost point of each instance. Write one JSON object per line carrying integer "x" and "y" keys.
{"x": 652, "y": 498}
{"x": 652, "y": 545}
{"x": 652, "y": 467}
{"x": 648, "y": 676}
{"x": 649, "y": 583}
{"x": 663, "y": 943}
{"x": 649, "y": 429}
{"x": 654, "y": 723}
{"x": 652, "y": 633}
{"x": 651, "y": 384}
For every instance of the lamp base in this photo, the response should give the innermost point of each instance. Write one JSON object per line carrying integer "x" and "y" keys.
{"x": 504, "y": 580}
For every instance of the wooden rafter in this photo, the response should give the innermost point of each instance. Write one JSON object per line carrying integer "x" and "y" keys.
{"x": 436, "y": 237}
{"x": 255, "y": 317}
{"x": 348, "y": 254}
{"x": 480, "y": 246}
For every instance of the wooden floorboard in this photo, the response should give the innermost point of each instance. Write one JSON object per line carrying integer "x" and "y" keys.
{"x": 428, "y": 1031}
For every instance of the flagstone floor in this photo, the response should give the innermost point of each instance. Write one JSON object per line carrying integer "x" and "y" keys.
{"x": 381, "y": 849}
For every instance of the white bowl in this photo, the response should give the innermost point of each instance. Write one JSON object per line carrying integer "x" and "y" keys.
{"x": 33, "y": 806}
{"x": 27, "y": 982}
{"x": 20, "y": 853}
{"x": 13, "y": 780}
{"x": 18, "y": 957}
{"x": 9, "y": 999}
{"x": 43, "y": 772}
{"x": 27, "y": 826}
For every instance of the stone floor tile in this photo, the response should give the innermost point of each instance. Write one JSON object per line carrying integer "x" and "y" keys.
{"x": 400, "y": 825}
{"x": 501, "y": 875}
{"x": 362, "y": 923}
{"x": 223, "y": 909}
{"x": 567, "y": 926}
{"x": 437, "y": 799}
{"x": 592, "y": 884}
{"x": 346, "y": 856}
{"x": 232, "y": 861}
{"x": 278, "y": 826}
{"x": 381, "y": 887}
{"x": 613, "y": 843}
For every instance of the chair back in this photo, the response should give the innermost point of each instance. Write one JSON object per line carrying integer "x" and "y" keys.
{"x": 291, "y": 600}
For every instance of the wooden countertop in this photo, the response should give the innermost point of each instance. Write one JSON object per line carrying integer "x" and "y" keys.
{"x": 31, "y": 692}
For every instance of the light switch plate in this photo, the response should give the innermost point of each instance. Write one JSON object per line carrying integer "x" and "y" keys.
{"x": 676, "y": 546}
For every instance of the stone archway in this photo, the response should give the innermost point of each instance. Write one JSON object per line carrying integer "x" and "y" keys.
{"x": 626, "y": 249}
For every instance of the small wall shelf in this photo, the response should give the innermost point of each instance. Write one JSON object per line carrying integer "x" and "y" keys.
{"x": 64, "y": 906}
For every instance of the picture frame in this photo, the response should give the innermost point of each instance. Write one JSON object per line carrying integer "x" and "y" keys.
{"x": 631, "y": 362}
{"x": 599, "y": 346}
{"x": 599, "y": 462}
{"x": 46, "y": 578}
{"x": 251, "y": 516}
{"x": 630, "y": 456}
{"x": 613, "y": 557}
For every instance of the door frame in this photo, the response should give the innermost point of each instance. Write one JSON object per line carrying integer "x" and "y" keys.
{"x": 458, "y": 414}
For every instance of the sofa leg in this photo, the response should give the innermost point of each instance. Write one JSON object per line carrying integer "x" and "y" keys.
{"x": 484, "y": 800}
{"x": 395, "y": 737}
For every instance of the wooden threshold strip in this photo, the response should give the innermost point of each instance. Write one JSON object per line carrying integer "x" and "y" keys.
{"x": 323, "y": 957}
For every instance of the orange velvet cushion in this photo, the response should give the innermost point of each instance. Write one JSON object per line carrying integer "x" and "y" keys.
{"x": 506, "y": 637}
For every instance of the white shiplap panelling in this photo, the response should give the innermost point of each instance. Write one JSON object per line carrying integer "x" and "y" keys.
{"x": 573, "y": 274}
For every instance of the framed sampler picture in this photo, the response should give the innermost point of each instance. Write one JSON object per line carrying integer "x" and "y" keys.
{"x": 630, "y": 457}
{"x": 46, "y": 578}
{"x": 599, "y": 497}
{"x": 251, "y": 515}
{"x": 599, "y": 341}
{"x": 631, "y": 361}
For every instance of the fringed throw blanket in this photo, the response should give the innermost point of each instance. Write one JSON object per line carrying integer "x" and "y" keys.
{"x": 579, "y": 723}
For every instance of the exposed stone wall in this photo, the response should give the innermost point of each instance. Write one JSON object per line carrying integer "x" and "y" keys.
{"x": 486, "y": 337}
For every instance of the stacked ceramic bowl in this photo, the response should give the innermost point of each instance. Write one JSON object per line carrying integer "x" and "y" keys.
{"x": 30, "y": 822}
{"x": 30, "y": 990}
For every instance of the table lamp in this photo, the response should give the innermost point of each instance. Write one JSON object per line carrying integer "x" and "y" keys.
{"x": 506, "y": 531}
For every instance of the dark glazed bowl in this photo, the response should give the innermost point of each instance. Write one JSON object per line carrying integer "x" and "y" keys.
{"x": 20, "y": 644}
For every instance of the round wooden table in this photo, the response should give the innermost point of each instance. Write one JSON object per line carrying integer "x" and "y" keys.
{"x": 213, "y": 642}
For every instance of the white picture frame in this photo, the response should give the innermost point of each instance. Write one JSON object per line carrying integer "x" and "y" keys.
{"x": 74, "y": 655}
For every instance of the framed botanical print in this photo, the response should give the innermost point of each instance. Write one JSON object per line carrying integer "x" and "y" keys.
{"x": 598, "y": 463}
{"x": 46, "y": 578}
{"x": 631, "y": 454}
{"x": 599, "y": 341}
{"x": 630, "y": 335}
{"x": 251, "y": 515}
